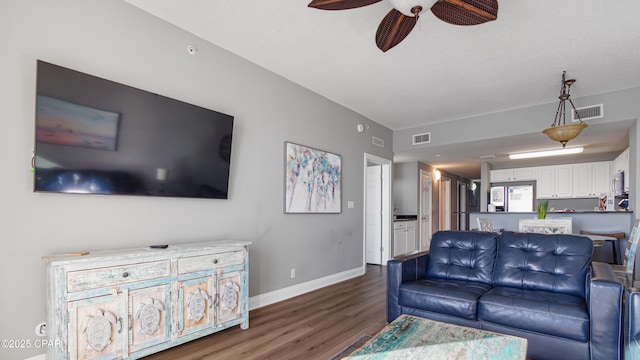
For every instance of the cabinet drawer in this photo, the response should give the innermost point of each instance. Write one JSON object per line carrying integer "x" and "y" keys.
{"x": 212, "y": 261}
{"x": 399, "y": 225}
{"x": 116, "y": 275}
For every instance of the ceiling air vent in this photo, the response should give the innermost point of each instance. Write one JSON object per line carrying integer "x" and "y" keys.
{"x": 377, "y": 141}
{"x": 424, "y": 138}
{"x": 588, "y": 112}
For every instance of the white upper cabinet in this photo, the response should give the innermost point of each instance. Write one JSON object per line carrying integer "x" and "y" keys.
{"x": 601, "y": 179}
{"x": 590, "y": 179}
{"x": 621, "y": 163}
{"x": 519, "y": 174}
{"x": 555, "y": 182}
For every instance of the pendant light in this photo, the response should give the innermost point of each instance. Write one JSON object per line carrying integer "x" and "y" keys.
{"x": 559, "y": 130}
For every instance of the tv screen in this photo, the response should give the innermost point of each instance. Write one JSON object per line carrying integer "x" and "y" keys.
{"x": 95, "y": 136}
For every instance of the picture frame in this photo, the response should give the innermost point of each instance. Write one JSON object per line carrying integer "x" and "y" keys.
{"x": 313, "y": 180}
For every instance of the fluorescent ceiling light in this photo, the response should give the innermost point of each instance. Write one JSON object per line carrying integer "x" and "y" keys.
{"x": 555, "y": 152}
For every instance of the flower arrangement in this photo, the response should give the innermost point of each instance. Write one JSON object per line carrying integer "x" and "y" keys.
{"x": 543, "y": 207}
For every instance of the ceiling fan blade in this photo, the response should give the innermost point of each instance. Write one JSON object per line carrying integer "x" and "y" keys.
{"x": 340, "y": 4}
{"x": 466, "y": 12}
{"x": 393, "y": 29}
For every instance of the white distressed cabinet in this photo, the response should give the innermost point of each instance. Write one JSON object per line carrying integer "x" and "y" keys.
{"x": 134, "y": 302}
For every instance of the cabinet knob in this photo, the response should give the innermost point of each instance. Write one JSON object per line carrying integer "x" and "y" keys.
{"x": 215, "y": 261}
{"x": 125, "y": 274}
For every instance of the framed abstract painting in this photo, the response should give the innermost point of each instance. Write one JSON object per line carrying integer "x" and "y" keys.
{"x": 313, "y": 180}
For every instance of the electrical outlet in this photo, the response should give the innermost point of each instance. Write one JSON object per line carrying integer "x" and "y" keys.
{"x": 41, "y": 329}
{"x": 293, "y": 273}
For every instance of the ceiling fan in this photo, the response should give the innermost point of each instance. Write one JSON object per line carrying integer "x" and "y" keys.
{"x": 399, "y": 22}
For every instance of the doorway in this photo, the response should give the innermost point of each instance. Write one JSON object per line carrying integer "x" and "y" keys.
{"x": 426, "y": 205}
{"x": 377, "y": 210}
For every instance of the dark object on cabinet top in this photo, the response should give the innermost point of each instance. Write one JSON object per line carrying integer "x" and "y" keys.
{"x": 405, "y": 217}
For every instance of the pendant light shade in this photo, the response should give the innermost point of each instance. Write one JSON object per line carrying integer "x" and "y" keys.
{"x": 564, "y": 133}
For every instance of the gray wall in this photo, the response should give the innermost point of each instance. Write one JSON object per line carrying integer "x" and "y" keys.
{"x": 116, "y": 41}
{"x": 406, "y": 191}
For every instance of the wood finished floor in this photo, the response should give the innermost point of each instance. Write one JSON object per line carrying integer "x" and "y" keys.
{"x": 316, "y": 325}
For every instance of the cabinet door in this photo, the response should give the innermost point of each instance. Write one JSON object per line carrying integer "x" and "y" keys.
{"x": 411, "y": 239}
{"x": 501, "y": 175}
{"x": 228, "y": 299}
{"x": 528, "y": 173}
{"x": 399, "y": 242}
{"x": 195, "y": 304}
{"x": 96, "y": 328}
{"x": 149, "y": 317}
{"x": 563, "y": 181}
{"x": 582, "y": 180}
{"x": 546, "y": 182}
{"x": 601, "y": 182}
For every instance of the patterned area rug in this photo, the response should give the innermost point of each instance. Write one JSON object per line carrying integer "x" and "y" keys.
{"x": 352, "y": 347}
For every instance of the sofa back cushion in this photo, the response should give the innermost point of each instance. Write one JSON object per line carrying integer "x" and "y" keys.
{"x": 462, "y": 255}
{"x": 557, "y": 263}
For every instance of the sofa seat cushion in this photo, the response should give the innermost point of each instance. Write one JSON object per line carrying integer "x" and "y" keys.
{"x": 451, "y": 297}
{"x": 544, "y": 312}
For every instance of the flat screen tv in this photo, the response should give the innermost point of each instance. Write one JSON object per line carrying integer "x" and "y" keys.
{"x": 95, "y": 136}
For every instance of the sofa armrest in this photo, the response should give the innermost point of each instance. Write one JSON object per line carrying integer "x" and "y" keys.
{"x": 605, "y": 312}
{"x": 632, "y": 325}
{"x": 402, "y": 270}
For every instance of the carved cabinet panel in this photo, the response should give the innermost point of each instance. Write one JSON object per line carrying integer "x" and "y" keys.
{"x": 95, "y": 327}
{"x": 130, "y": 303}
{"x": 229, "y": 306}
{"x": 195, "y": 305}
{"x": 149, "y": 317}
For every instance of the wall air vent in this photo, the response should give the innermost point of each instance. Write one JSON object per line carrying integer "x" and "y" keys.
{"x": 588, "y": 112}
{"x": 424, "y": 138}
{"x": 377, "y": 141}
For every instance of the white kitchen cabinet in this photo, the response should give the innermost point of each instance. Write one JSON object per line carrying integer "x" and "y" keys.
{"x": 555, "y": 182}
{"x": 126, "y": 304}
{"x": 582, "y": 180}
{"x": 601, "y": 181}
{"x": 621, "y": 163}
{"x": 404, "y": 237}
{"x": 517, "y": 174}
{"x": 590, "y": 179}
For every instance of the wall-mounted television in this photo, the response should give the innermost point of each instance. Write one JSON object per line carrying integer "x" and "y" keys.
{"x": 95, "y": 136}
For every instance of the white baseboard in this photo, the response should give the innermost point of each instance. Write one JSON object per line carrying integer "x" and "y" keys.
{"x": 299, "y": 289}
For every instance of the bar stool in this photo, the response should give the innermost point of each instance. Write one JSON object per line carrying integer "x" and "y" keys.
{"x": 615, "y": 243}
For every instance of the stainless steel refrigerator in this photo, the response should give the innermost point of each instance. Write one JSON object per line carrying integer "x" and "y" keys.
{"x": 513, "y": 198}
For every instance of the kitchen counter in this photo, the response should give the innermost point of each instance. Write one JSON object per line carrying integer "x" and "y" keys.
{"x": 594, "y": 221}
{"x": 600, "y": 222}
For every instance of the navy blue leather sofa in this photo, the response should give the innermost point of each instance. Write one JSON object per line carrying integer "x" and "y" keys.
{"x": 544, "y": 288}
{"x": 632, "y": 325}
